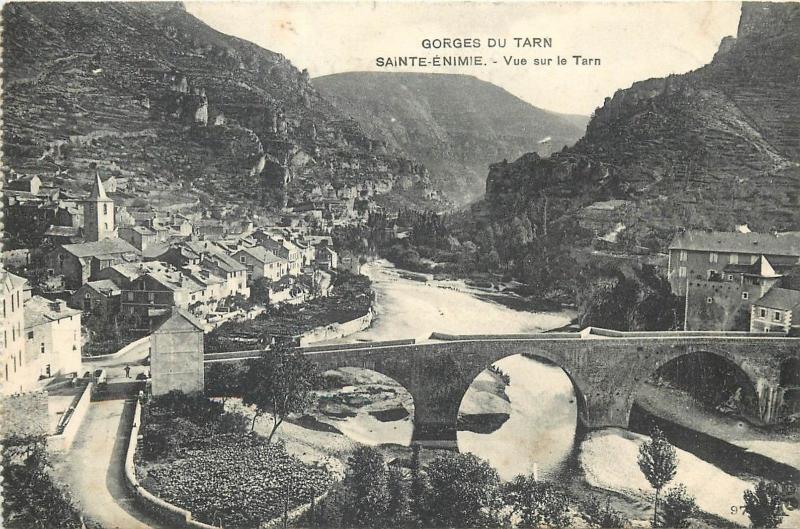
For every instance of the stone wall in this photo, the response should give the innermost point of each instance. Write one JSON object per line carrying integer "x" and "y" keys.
{"x": 175, "y": 516}
{"x": 24, "y": 415}
{"x": 63, "y": 441}
{"x": 336, "y": 330}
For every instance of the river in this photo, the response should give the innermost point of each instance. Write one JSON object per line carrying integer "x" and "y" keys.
{"x": 540, "y": 433}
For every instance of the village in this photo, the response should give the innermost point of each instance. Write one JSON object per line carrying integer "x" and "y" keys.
{"x": 103, "y": 276}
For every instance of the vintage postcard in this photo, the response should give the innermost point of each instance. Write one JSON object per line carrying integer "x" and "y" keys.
{"x": 363, "y": 264}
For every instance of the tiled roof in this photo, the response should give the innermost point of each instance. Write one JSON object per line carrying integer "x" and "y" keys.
{"x": 40, "y": 311}
{"x": 734, "y": 242}
{"x": 104, "y": 286}
{"x": 781, "y": 299}
{"x": 262, "y": 254}
{"x": 104, "y": 247}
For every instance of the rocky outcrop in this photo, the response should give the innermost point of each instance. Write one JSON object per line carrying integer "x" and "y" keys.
{"x": 454, "y": 124}
{"x": 715, "y": 147}
{"x": 222, "y": 109}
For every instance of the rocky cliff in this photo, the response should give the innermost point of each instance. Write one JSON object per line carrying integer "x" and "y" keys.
{"x": 715, "y": 147}
{"x": 146, "y": 90}
{"x": 454, "y": 124}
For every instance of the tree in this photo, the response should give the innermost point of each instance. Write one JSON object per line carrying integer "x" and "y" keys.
{"x": 764, "y": 505}
{"x": 279, "y": 382}
{"x": 223, "y": 379}
{"x": 464, "y": 491}
{"x": 538, "y": 503}
{"x": 366, "y": 480}
{"x": 677, "y": 507}
{"x": 658, "y": 462}
{"x": 30, "y": 497}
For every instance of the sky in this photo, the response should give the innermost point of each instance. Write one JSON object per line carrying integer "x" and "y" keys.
{"x": 634, "y": 41}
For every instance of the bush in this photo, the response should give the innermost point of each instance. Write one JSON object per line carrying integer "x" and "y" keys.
{"x": 677, "y": 507}
{"x": 464, "y": 491}
{"x": 538, "y": 503}
{"x": 764, "y": 505}
{"x": 30, "y": 497}
{"x": 604, "y": 516}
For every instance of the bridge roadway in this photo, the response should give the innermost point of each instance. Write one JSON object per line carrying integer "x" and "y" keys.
{"x": 605, "y": 367}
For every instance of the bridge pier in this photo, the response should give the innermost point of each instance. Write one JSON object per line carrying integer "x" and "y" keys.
{"x": 435, "y": 436}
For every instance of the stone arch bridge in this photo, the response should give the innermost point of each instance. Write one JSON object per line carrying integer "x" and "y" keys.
{"x": 606, "y": 367}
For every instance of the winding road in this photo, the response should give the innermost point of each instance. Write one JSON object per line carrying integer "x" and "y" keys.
{"x": 93, "y": 468}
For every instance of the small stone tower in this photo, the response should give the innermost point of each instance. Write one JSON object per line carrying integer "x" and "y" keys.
{"x": 98, "y": 214}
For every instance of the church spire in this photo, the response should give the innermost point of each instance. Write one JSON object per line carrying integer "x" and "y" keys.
{"x": 98, "y": 191}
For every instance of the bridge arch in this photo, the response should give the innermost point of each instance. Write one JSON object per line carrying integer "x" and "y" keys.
{"x": 389, "y": 419}
{"x": 713, "y": 359}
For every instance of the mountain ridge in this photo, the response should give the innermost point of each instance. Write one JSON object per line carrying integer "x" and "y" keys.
{"x": 455, "y": 124}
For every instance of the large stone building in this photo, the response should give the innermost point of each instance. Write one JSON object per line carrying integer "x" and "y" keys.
{"x": 723, "y": 301}
{"x": 52, "y": 338}
{"x": 699, "y": 255}
{"x": 12, "y": 363}
{"x": 77, "y": 263}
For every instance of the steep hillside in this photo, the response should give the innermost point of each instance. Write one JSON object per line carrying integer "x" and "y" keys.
{"x": 454, "y": 124}
{"x": 715, "y": 147}
{"x": 147, "y": 90}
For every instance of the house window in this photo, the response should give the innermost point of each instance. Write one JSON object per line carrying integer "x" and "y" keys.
{"x": 753, "y": 259}
{"x": 30, "y": 335}
{"x": 105, "y": 210}
{"x": 745, "y": 295}
{"x": 709, "y": 300}
{"x": 734, "y": 258}
{"x": 776, "y": 316}
{"x": 241, "y": 258}
{"x": 151, "y": 297}
{"x": 730, "y": 277}
{"x": 713, "y": 257}
{"x": 41, "y": 347}
{"x": 683, "y": 255}
{"x": 130, "y": 296}
{"x": 762, "y": 313}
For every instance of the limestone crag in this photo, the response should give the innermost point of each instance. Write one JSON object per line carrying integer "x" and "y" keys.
{"x": 715, "y": 147}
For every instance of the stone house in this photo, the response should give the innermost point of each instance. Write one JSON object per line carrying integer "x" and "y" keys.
{"x": 141, "y": 237}
{"x": 101, "y": 297}
{"x": 177, "y": 353}
{"x": 260, "y": 262}
{"x": 78, "y": 262}
{"x": 776, "y": 312}
{"x": 327, "y": 257}
{"x": 283, "y": 249}
{"x": 157, "y": 291}
{"x": 52, "y": 337}
{"x": 697, "y": 254}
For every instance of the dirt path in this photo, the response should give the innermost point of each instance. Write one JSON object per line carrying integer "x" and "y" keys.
{"x": 93, "y": 468}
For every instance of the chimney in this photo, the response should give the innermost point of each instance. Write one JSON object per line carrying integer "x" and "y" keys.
{"x": 56, "y": 306}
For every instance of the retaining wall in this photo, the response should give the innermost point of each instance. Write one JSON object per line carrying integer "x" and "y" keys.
{"x": 336, "y": 330}
{"x": 147, "y": 501}
{"x": 138, "y": 345}
{"x": 63, "y": 441}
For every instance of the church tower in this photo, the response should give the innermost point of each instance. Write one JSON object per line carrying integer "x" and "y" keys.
{"x": 98, "y": 214}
